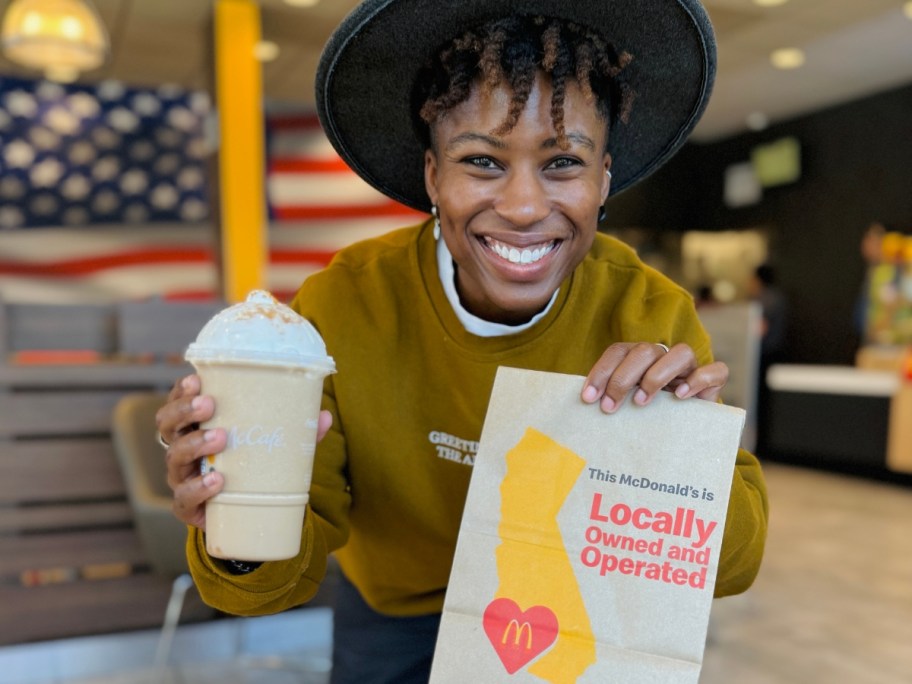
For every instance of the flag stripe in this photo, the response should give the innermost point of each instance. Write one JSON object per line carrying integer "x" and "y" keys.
{"x": 308, "y": 166}
{"x": 148, "y": 257}
{"x": 311, "y": 213}
{"x": 304, "y": 144}
{"x": 321, "y": 189}
{"x": 78, "y": 267}
{"x": 294, "y": 123}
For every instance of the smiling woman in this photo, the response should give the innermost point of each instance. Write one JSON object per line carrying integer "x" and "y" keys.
{"x": 517, "y": 114}
{"x": 512, "y": 129}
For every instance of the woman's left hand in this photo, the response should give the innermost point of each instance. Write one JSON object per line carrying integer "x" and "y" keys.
{"x": 647, "y": 368}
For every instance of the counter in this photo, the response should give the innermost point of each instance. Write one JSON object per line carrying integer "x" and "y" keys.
{"x": 840, "y": 416}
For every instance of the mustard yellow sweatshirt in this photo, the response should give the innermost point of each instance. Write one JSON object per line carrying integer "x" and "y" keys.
{"x": 408, "y": 403}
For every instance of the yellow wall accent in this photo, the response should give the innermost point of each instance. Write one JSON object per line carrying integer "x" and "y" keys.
{"x": 239, "y": 101}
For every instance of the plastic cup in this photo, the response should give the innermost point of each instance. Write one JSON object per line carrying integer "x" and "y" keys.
{"x": 264, "y": 365}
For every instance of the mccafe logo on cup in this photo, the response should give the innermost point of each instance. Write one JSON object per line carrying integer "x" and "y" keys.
{"x": 256, "y": 435}
{"x": 266, "y": 439}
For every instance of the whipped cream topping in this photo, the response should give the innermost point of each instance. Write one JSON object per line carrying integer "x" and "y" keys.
{"x": 260, "y": 330}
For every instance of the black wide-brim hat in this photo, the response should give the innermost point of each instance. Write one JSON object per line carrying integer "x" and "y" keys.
{"x": 369, "y": 66}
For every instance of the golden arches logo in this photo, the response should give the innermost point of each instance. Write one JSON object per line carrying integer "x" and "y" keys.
{"x": 510, "y": 631}
{"x": 517, "y": 636}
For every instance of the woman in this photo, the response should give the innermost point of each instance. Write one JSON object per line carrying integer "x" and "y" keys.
{"x": 511, "y": 130}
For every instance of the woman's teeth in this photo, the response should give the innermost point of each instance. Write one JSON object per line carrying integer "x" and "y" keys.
{"x": 515, "y": 256}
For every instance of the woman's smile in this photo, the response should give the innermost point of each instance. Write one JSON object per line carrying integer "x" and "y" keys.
{"x": 520, "y": 254}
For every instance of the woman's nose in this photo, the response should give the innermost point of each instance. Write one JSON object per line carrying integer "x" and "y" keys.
{"x": 523, "y": 200}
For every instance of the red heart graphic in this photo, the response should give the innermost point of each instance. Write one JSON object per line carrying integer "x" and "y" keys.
{"x": 518, "y": 636}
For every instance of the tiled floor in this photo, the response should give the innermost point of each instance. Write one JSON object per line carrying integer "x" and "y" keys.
{"x": 833, "y": 603}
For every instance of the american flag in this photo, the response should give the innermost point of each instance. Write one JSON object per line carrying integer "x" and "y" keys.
{"x": 103, "y": 195}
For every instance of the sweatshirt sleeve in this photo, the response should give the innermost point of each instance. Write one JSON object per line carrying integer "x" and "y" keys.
{"x": 745, "y": 527}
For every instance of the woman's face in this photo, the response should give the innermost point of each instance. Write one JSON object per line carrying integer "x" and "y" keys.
{"x": 517, "y": 212}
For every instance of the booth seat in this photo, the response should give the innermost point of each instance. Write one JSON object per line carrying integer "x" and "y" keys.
{"x": 72, "y": 561}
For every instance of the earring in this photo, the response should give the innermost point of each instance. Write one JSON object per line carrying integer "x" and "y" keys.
{"x": 603, "y": 213}
{"x": 436, "y": 222}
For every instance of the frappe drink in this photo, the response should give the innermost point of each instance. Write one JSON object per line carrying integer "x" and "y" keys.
{"x": 264, "y": 365}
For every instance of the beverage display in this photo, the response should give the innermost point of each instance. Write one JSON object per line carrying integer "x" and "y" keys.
{"x": 264, "y": 365}
{"x": 889, "y": 313}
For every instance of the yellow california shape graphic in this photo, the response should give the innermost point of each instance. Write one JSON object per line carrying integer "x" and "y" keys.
{"x": 532, "y": 564}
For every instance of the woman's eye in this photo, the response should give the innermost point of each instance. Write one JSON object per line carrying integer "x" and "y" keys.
{"x": 481, "y": 162}
{"x": 563, "y": 163}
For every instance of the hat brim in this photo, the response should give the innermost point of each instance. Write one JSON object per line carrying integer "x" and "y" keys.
{"x": 369, "y": 66}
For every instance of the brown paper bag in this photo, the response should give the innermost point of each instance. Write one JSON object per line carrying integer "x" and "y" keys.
{"x": 589, "y": 544}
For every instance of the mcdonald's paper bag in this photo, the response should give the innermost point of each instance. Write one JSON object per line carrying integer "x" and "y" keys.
{"x": 589, "y": 543}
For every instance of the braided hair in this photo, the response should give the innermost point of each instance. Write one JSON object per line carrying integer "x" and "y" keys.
{"x": 512, "y": 51}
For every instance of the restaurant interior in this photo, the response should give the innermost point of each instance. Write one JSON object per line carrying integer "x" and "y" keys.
{"x": 161, "y": 158}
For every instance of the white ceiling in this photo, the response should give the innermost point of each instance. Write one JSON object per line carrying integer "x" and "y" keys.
{"x": 854, "y": 48}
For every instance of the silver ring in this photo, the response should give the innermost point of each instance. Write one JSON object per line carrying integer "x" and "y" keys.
{"x": 663, "y": 347}
{"x": 161, "y": 440}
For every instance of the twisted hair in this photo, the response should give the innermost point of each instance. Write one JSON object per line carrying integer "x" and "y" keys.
{"x": 511, "y": 51}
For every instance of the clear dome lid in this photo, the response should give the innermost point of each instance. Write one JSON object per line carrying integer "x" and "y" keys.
{"x": 261, "y": 330}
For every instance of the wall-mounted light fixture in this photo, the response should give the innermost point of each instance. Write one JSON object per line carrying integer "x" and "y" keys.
{"x": 787, "y": 58}
{"x": 59, "y": 37}
{"x": 266, "y": 51}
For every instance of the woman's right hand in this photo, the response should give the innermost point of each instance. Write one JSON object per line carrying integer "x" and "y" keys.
{"x": 178, "y": 423}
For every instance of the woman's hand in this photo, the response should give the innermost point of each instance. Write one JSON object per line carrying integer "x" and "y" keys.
{"x": 648, "y": 368}
{"x": 179, "y": 425}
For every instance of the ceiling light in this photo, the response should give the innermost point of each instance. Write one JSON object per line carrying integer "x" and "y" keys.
{"x": 787, "y": 58}
{"x": 301, "y": 3}
{"x": 266, "y": 51}
{"x": 770, "y": 3}
{"x": 907, "y": 9}
{"x": 62, "y": 36}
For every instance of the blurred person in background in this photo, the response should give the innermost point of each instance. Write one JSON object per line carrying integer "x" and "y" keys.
{"x": 763, "y": 289}
{"x": 871, "y": 254}
{"x": 774, "y": 306}
{"x": 704, "y": 297}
